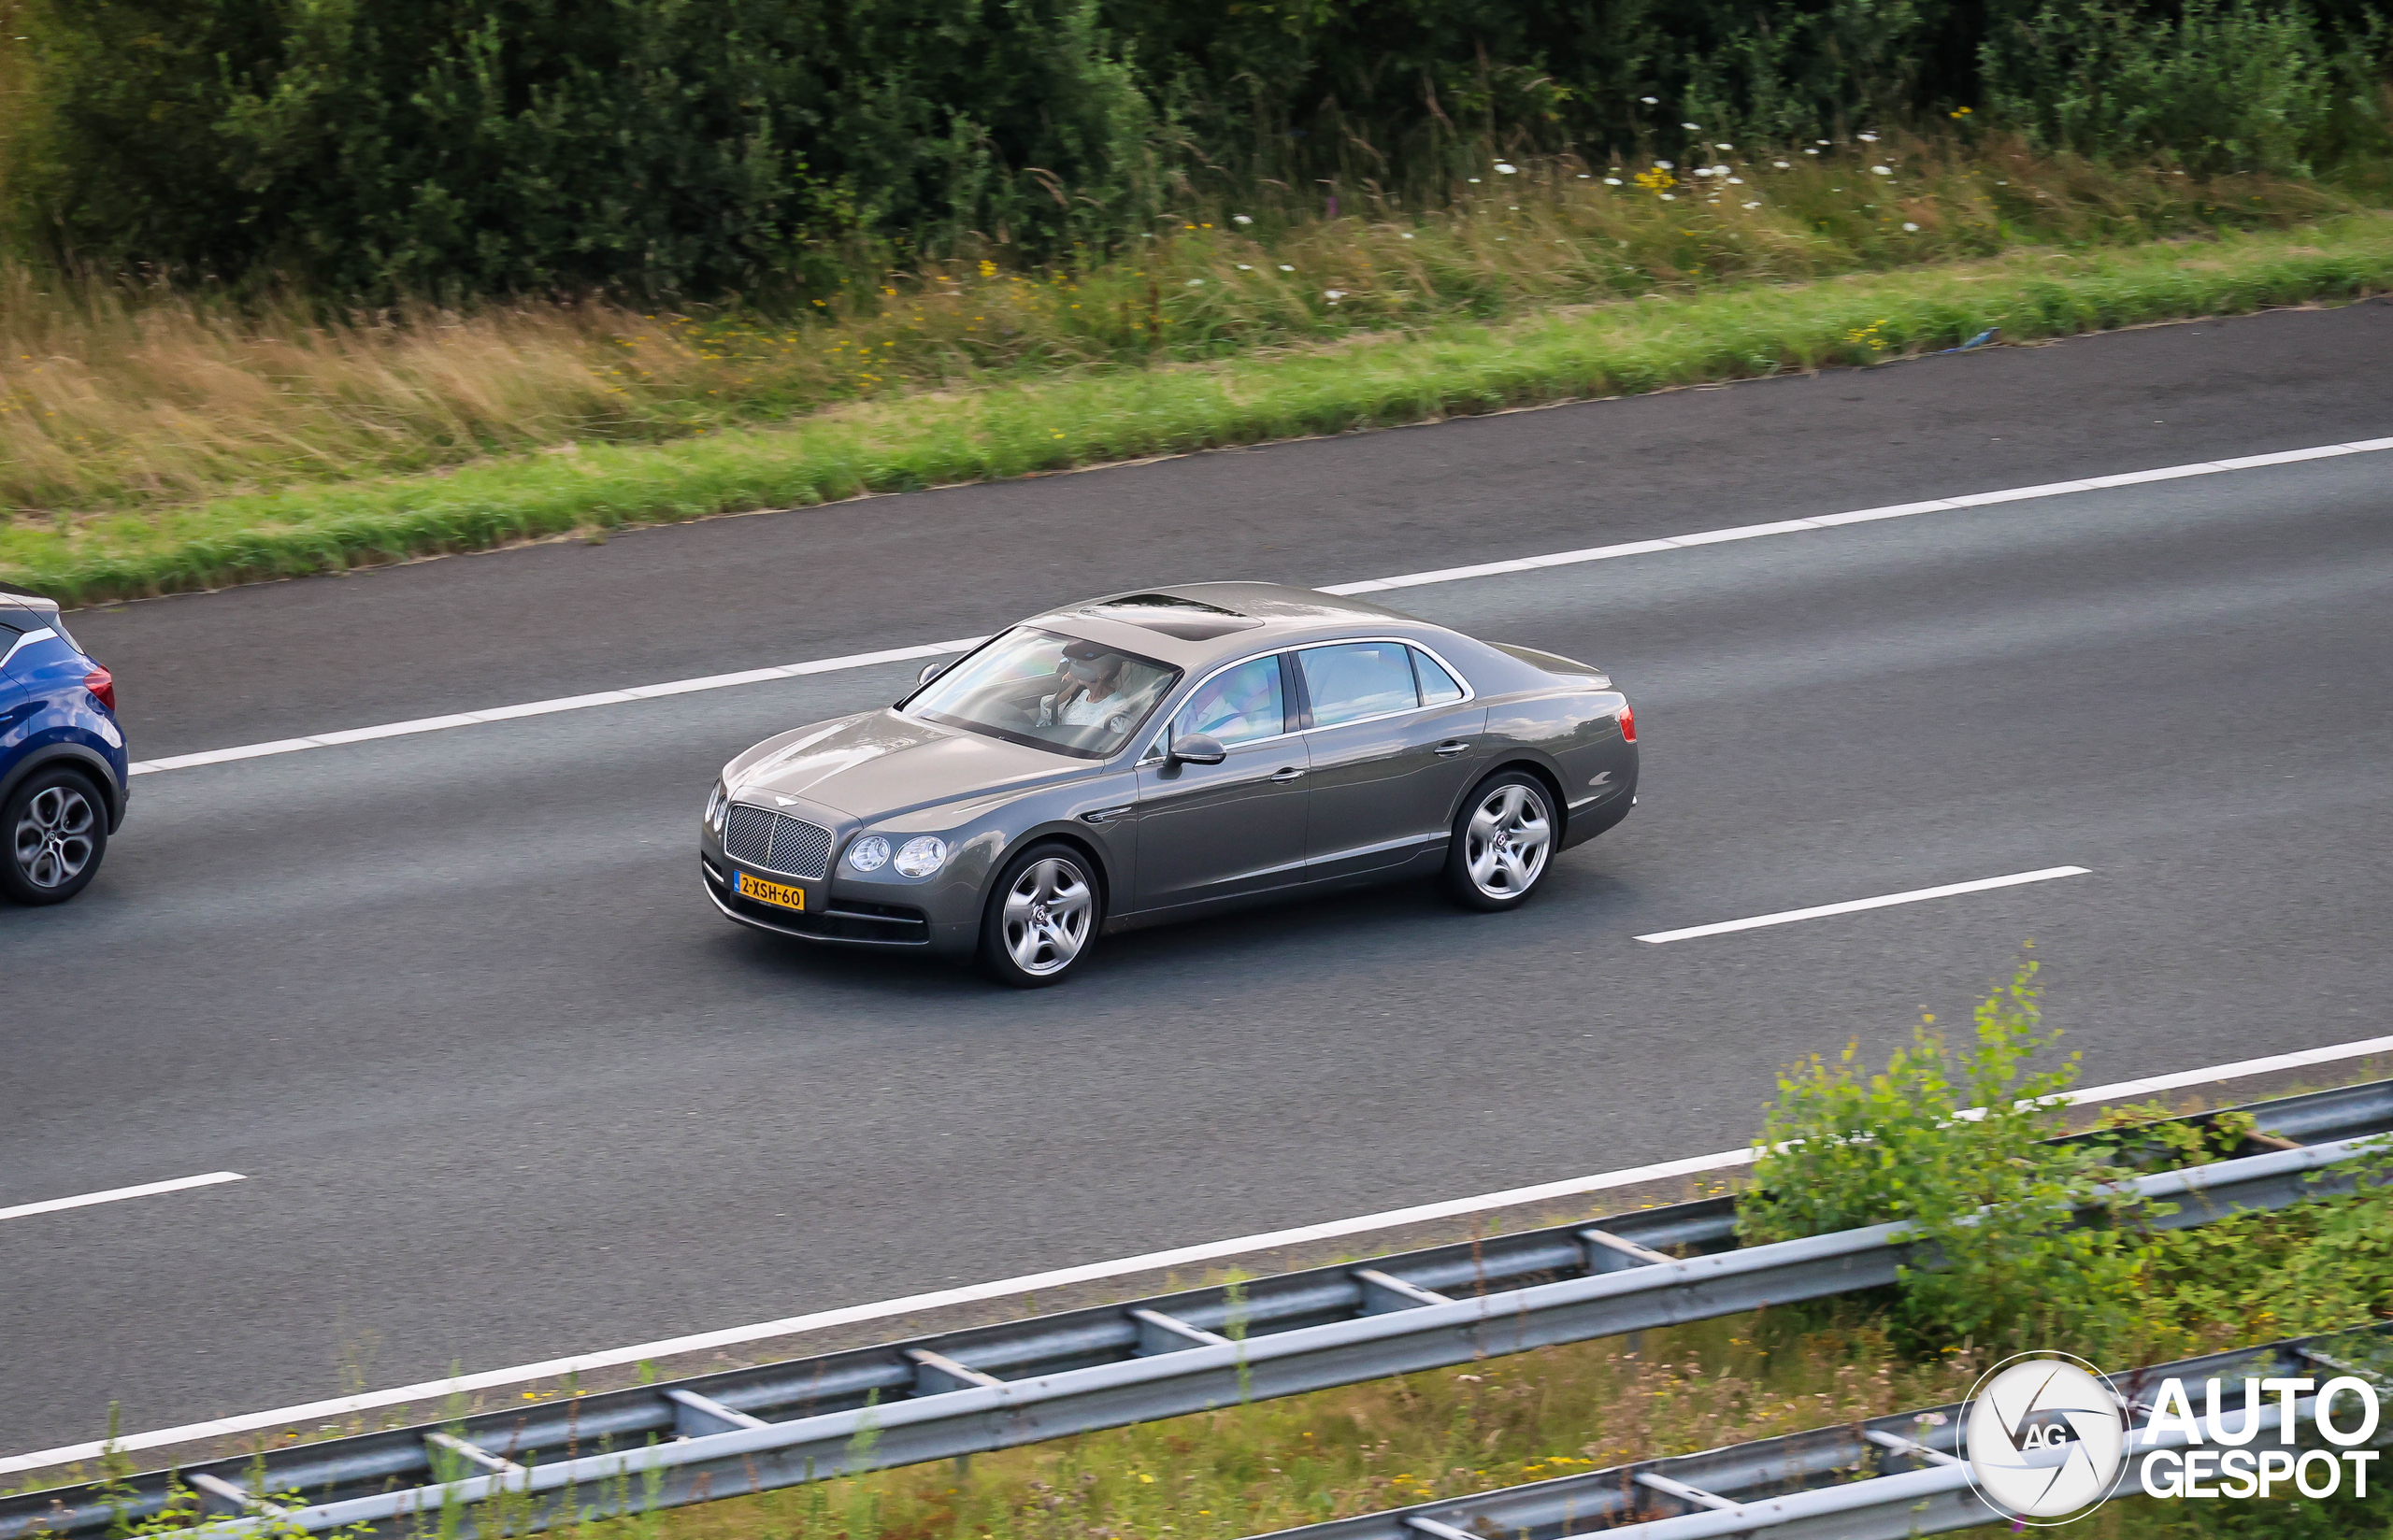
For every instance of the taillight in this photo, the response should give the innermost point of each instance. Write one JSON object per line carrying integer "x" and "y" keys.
{"x": 1627, "y": 724}
{"x": 102, "y": 684}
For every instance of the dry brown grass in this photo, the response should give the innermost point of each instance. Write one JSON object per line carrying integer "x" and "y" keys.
{"x": 117, "y": 395}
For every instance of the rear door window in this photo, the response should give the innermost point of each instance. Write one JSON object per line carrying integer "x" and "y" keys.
{"x": 1357, "y": 679}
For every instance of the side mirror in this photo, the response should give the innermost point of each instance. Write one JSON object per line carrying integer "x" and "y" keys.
{"x": 930, "y": 671}
{"x": 1197, "y": 749}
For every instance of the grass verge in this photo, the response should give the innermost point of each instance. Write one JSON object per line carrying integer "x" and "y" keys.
{"x": 909, "y": 442}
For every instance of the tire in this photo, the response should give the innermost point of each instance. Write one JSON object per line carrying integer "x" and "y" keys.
{"x": 1503, "y": 841}
{"x": 53, "y": 831}
{"x": 1045, "y": 910}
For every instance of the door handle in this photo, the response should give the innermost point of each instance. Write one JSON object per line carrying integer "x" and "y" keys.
{"x": 1286, "y": 774}
{"x": 1107, "y": 815}
{"x": 1453, "y": 746}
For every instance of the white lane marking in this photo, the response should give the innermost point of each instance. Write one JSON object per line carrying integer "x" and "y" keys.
{"x": 1862, "y": 516}
{"x": 1415, "y": 580}
{"x": 51, "y": 1206}
{"x": 1213, "y": 1250}
{"x": 1787, "y": 916}
{"x": 542, "y": 708}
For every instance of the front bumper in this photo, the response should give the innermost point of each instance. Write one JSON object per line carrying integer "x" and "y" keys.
{"x": 850, "y": 922}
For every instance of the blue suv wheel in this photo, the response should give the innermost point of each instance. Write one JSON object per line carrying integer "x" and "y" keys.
{"x": 64, "y": 771}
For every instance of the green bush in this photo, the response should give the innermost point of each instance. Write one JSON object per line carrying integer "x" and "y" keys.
{"x": 696, "y": 147}
{"x": 1955, "y": 1143}
{"x": 2222, "y": 87}
{"x": 449, "y": 145}
{"x": 1958, "y": 1146}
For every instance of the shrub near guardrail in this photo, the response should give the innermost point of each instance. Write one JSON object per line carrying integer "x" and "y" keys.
{"x": 1843, "y": 1147}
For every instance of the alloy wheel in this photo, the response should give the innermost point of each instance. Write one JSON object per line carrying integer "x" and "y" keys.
{"x": 53, "y": 840}
{"x": 1507, "y": 841}
{"x": 1046, "y": 918}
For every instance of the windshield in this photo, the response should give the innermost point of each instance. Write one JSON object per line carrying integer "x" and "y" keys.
{"x": 1034, "y": 687}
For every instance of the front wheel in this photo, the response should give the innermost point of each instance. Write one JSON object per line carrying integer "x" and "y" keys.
{"x": 57, "y": 830}
{"x": 1042, "y": 917}
{"x": 1503, "y": 840}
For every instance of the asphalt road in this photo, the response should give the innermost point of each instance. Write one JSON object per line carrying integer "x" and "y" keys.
{"x": 507, "y": 1088}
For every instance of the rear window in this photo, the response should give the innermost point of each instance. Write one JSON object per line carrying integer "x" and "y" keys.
{"x": 1438, "y": 686}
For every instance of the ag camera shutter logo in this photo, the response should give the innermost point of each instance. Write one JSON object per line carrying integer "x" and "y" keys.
{"x": 2046, "y": 1437}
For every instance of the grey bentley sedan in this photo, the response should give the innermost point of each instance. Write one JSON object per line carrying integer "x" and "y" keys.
{"x": 1159, "y": 755}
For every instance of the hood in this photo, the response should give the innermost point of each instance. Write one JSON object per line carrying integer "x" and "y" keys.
{"x": 882, "y": 763}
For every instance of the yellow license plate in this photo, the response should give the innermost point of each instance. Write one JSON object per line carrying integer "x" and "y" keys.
{"x": 780, "y": 893}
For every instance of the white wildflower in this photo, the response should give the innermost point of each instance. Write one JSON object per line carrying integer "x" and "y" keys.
{"x": 1503, "y": 169}
{"x": 1651, "y": 101}
{"x": 1195, "y": 283}
{"x": 1335, "y": 294}
{"x": 1781, "y": 164}
{"x": 1612, "y": 181}
{"x": 1241, "y": 219}
{"x": 1692, "y": 128}
{"x": 1285, "y": 269}
{"x": 1882, "y": 170}
{"x": 1866, "y": 139}
{"x": 1737, "y": 181}
{"x": 1912, "y": 228}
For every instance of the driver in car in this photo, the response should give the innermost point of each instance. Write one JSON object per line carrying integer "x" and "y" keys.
{"x": 1090, "y": 695}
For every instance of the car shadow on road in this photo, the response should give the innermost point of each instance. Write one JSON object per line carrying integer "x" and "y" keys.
{"x": 1403, "y": 925}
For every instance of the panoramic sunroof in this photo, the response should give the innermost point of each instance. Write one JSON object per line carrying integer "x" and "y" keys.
{"x": 1189, "y": 619}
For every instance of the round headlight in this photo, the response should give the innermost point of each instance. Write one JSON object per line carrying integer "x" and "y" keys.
{"x": 922, "y": 857}
{"x": 869, "y": 854}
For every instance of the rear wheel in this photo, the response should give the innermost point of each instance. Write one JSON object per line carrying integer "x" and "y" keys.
{"x": 57, "y": 830}
{"x": 1042, "y": 917}
{"x": 1503, "y": 841}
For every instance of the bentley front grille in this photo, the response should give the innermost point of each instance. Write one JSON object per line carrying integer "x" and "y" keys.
{"x": 756, "y": 836}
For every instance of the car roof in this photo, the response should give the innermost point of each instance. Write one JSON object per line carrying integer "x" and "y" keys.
{"x": 1191, "y": 625}
{"x": 11, "y": 600}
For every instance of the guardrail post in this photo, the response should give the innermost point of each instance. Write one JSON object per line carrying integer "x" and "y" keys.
{"x": 242, "y": 1499}
{"x": 1694, "y": 1496}
{"x": 695, "y": 1416}
{"x": 1384, "y": 1293}
{"x": 1162, "y": 1334}
{"x": 936, "y": 1372}
{"x": 1611, "y": 1253}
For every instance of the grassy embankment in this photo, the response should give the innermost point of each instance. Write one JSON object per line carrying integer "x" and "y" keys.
{"x": 152, "y": 441}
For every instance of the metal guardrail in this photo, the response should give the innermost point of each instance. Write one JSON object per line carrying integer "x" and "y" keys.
{"x": 1886, "y": 1478}
{"x": 995, "y": 1386}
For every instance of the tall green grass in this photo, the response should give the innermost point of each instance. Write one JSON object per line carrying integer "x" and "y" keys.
{"x": 1016, "y": 428}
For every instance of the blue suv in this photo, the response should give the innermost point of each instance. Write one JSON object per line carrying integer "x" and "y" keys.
{"x": 62, "y": 768}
